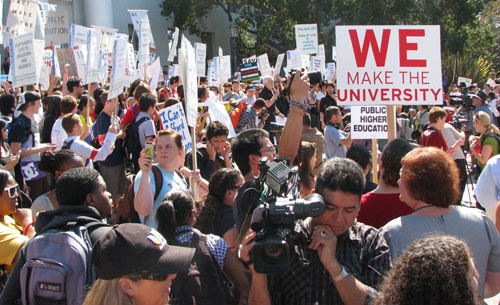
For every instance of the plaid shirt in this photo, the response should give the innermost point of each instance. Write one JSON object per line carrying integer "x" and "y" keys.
{"x": 362, "y": 250}
{"x": 215, "y": 244}
{"x": 247, "y": 119}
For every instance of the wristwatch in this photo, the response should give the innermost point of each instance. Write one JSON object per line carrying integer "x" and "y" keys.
{"x": 342, "y": 275}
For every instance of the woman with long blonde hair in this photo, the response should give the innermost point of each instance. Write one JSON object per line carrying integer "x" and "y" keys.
{"x": 486, "y": 145}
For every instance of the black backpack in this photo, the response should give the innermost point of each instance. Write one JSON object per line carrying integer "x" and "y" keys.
{"x": 203, "y": 283}
{"x": 132, "y": 144}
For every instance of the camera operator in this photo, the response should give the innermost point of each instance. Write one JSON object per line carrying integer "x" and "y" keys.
{"x": 478, "y": 101}
{"x": 345, "y": 259}
{"x": 253, "y": 144}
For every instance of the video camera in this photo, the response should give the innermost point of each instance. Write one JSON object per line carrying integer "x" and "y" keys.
{"x": 457, "y": 99}
{"x": 314, "y": 77}
{"x": 275, "y": 218}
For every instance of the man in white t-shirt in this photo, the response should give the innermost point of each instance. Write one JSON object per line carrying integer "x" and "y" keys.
{"x": 58, "y": 134}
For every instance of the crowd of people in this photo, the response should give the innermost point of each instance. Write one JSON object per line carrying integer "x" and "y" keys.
{"x": 104, "y": 176}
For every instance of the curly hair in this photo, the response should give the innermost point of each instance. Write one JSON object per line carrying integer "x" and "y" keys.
{"x": 209, "y": 220}
{"x": 433, "y": 270}
{"x": 431, "y": 176}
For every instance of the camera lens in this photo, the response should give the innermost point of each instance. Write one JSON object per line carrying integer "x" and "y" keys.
{"x": 273, "y": 252}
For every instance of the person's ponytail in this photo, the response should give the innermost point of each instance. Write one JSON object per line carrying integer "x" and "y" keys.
{"x": 165, "y": 217}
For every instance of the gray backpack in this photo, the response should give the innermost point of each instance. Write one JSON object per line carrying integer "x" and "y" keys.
{"x": 57, "y": 268}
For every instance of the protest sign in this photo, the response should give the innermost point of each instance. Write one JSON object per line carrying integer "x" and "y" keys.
{"x": 306, "y": 37}
{"x": 315, "y": 64}
{"x": 106, "y": 40}
{"x": 218, "y": 112}
{"x": 46, "y": 68}
{"x": 491, "y": 82}
{"x": 38, "y": 46}
{"x": 131, "y": 67}
{"x": 92, "y": 68}
{"x": 330, "y": 71}
{"x": 249, "y": 71}
{"x": 173, "y": 46}
{"x": 306, "y": 62}
{"x": 293, "y": 59}
{"x": 264, "y": 66}
{"x": 56, "y": 28}
{"x": 334, "y": 53}
{"x": 279, "y": 62}
{"x": 226, "y": 67}
{"x": 144, "y": 30}
{"x": 79, "y": 37}
{"x": 65, "y": 56}
{"x": 23, "y": 69}
{"x": 201, "y": 55}
{"x": 104, "y": 64}
{"x": 389, "y": 65}
{"x": 153, "y": 73}
{"x": 369, "y": 122}
{"x": 466, "y": 81}
{"x": 119, "y": 78}
{"x": 211, "y": 76}
{"x": 80, "y": 61}
{"x": 173, "y": 117}
{"x": 191, "y": 83}
{"x": 321, "y": 51}
{"x": 137, "y": 16}
{"x": 56, "y": 71}
{"x": 21, "y": 18}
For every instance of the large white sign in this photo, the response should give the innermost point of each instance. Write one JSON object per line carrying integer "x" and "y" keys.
{"x": 277, "y": 67}
{"x": 56, "y": 28}
{"x": 306, "y": 37}
{"x": 23, "y": 67}
{"x": 369, "y": 122}
{"x": 79, "y": 38}
{"x": 46, "y": 68}
{"x": 190, "y": 83}
{"x": 201, "y": 57}
{"x": 137, "y": 16}
{"x": 389, "y": 65}
{"x": 119, "y": 78}
{"x": 21, "y": 18}
{"x": 144, "y": 30}
{"x": 93, "y": 69}
{"x": 173, "y": 47}
{"x": 264, "y": 66}
{"x": 173, "y": 117}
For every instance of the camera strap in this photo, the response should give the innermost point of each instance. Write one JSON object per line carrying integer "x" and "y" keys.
{"x": 316, "y": 278}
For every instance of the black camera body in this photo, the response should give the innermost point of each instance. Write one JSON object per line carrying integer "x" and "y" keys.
{"x": 464, "y": 100}
{"x": 314, "y": 77}
{"x": 275, "y": 219}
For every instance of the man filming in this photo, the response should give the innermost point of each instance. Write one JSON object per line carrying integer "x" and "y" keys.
{"x": 344, "y": 259}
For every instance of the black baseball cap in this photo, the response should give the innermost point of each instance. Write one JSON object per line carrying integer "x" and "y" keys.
{"x": 131, "y": 247}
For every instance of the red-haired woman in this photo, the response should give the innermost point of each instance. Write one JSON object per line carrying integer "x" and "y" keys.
{"x": 429, "y": 185}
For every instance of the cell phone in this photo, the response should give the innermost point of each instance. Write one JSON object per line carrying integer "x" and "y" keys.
{"x": 150, "y": 148}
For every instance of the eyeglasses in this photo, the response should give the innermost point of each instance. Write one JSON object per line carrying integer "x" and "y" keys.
{"x": 148, "y": 276}
{"x": 12, "y": 191}
{"x": 270, "y": 149}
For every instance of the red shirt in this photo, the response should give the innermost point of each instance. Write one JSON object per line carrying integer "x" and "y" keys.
{"x": 433, "y": 137}
{"x": 378, "y": 209}
{"x": 133, "y": 111}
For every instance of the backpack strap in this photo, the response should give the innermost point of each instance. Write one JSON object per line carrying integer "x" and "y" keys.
{"x": 158, "y": 185}
{"x": 96, "y": 230}
{"x": 67, "y": 145}
{"x": 158, "y": 180}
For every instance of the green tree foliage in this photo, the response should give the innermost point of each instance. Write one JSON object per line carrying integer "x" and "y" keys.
{"x": 267, "y": 26}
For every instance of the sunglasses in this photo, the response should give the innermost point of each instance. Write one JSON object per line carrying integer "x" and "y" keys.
{"x": 148, "y": 276}
{"x": 11, "y": 190}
